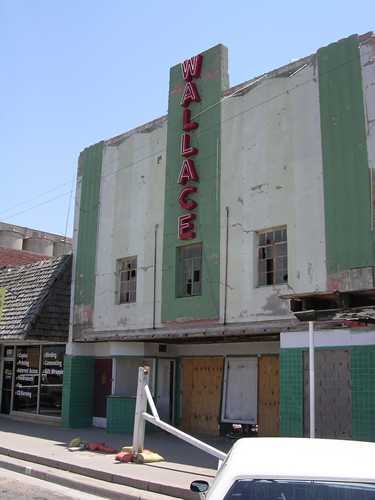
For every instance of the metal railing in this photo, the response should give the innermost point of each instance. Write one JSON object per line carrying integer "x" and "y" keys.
{"x": 144, "y": 396}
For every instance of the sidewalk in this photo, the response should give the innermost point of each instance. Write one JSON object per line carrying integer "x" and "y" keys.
{"x": 47, "y": 445}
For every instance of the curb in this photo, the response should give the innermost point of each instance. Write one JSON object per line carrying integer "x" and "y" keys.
{"x": 147, "y": 486}
{"x": 85, "y": 486}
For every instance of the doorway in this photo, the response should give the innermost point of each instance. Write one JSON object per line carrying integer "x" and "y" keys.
{"x": 6, "y": 397}
{"x": 165, "y": 389}
{"x": 102, "y": 389}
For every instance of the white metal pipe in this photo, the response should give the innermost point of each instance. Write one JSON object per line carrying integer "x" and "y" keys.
{"x": 312, "y": 378}
{"x": 151, "y": 402}
{"x": 185, "y": 437}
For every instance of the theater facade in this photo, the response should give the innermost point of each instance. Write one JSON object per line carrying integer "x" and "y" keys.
{"x": 200, "y": 235}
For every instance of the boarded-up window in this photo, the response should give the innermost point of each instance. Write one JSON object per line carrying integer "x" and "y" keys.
{"x": 189, "y": 271}
{"x": 240, "y": 390}
{"x": 272, "y": 257}
{"x": 127, "y": 271}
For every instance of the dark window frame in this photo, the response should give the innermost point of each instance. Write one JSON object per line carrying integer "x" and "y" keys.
{"x": 127, "y": 280}
{"x": 189, "y": 270}
{"x": 272, "y": 256}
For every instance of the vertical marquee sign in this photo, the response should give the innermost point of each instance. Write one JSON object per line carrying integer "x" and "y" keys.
{"x": 191, "y": 69}
{"x": 192, "y": 187}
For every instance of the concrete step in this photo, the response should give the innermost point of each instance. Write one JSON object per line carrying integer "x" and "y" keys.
{"x": 78, "y": 482}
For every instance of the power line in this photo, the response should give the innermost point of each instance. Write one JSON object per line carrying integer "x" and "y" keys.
{"x": 264, "y": 77}
{"x": 24, "y": 202}
{"x": 38, "y": 205}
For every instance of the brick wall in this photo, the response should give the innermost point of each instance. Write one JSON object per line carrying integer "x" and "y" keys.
{"x": 78, "y": 391}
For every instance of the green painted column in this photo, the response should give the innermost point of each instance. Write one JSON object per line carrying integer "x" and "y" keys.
{"x": 363, "y": 393}
{"x": 291, "y": 392}
{"x": 78, "y": 391}
{"x": 213, "y": 80}
{"x": 347, "y": 196}
{"x": 89, "y": 175}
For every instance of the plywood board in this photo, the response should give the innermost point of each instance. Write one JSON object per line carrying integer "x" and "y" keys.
{"x": 201, "y": 391}
{"x": 333, "y": 394}
{"x": 269, "y": 396}
{"x": 240, "y": 390}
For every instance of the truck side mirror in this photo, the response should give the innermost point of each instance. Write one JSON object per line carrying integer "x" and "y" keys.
{"x": 199, "y": 486}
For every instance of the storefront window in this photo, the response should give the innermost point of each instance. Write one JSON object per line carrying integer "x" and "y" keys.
{"x": 27, "y": 379}
{"x": 39, "y": 379}
{"x": 52, "y": 380}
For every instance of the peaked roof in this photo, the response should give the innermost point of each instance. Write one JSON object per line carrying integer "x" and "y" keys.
{"x": 10, "y": 257}
{"x": 26, "y": 291}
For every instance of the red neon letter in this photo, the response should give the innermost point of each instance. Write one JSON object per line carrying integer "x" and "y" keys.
{"x": 183, "y": 198}
{"x": 187, "y": 124}
{"x": 187, "y": 172}
{"x": 186, "y": 227}
{"x": 190, "y": 94}
{"x": 191, "y": 68}
{"x": 186, "y": 149}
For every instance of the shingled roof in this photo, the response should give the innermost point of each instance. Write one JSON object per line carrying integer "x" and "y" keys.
{"x": 10, "y": 257}
{"x": 36, "y": 299}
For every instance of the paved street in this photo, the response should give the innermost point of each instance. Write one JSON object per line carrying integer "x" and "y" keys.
{"x": 21, "y": 487}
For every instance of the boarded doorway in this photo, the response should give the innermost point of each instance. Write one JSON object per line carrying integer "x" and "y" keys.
{"x": 103, "y": 386}
{"x": 201, "y": 390}
{"x": 269, "y": 395}
{"x": 333, "y": 394}
{"x": 165, "y": 389}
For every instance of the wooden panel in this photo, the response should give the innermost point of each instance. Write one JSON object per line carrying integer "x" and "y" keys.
{"x": 333, "y": 394}
{"x": 201, "y": 391}
{"x": 269, "y": 396}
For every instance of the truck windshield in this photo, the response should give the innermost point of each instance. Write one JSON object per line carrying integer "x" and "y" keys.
{"x": 267, "y": 489}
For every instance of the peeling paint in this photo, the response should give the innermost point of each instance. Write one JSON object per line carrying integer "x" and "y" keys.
{"x": 274, "y": 305}
{"x": 259, "y": 187}
{"x": 352, "y": 279}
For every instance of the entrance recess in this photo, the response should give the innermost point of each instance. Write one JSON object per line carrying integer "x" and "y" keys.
{"x": 165, "y": 389}
{"x": 7, "y": 386}
{"x": 103, "y": 386}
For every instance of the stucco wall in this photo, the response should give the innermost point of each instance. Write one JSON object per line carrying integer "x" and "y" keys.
{"x": 131, "y": 204}
{"x": 271, "y": 175}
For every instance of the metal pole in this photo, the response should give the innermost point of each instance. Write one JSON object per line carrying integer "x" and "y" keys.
{"x": 140, "y": 408}
{"x": 226, "y": 267}
{"x": 312, "y": 379}
{"x": 155, "y": 259}
{"x": 185, "y": 437}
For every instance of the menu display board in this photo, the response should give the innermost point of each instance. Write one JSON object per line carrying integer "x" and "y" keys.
{"x": 26, "y": 379}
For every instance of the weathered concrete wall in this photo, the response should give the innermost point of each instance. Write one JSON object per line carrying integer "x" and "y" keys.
{"x": 367, "y": 54}
{"x": 131, "y": 204}
{"x": 271, "y": 175}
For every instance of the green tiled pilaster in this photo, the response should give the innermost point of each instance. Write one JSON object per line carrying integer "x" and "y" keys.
{"x": 120, "y": 414}
{"x": 78, "y": 391}
{"x": 291, "y": 392}
{"x": 363, "y": 393}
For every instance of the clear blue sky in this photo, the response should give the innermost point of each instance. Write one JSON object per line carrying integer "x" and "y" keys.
{"x": 78, "y": 71}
